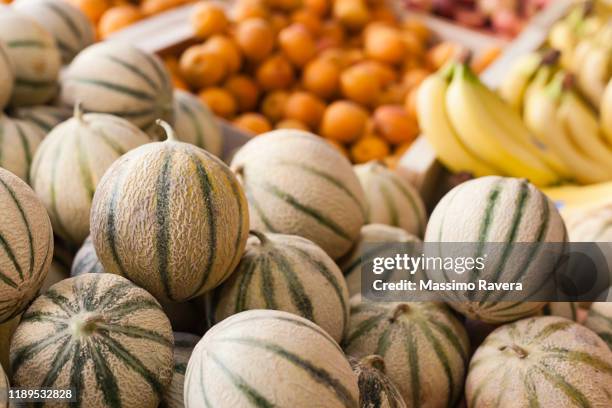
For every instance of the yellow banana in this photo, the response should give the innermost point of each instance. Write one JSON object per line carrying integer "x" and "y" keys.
{"x": 575, "y": 196}
{"x": 512, "y": 88}
{"x": 438, "y": 130}
{"x": 605, "y": 112}
{"x": 480, "y": 131}
{"x": 594, "y": 72}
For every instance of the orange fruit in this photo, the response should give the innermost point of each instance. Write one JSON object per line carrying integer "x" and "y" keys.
{"x": 331, "y": 35}
{"x": 306, "y": 108}
{"x": 394, "y": 124}
{"x": 227, "y": 47}
{"x": 245, "y": 9}
{"x": 383, "y": 14}
{"x": 369, "y": 148}
{"x": 418, "y": 28}
{"x": 207, "y": 19}
{"x": 253, "y": 123}
{"x": 410, "y": 103}
{"x": 273, "y": 105}
{"x": 317, "y": 7}
{"x": 439, "y": 54}
{"x": 151, "y": 7}
{"x": 220, "y": 101}
{"x": 177, "y": 82}
{"x": 485, "y": 58}
{"x": 413, "y": 78}
{"x": 172, "y": 64}
{"x": 308, "y": 19}
{"x": 359, "y": 85}
{"x": 278, "y": 21}
{"x": 385, "y": 44}
{"x": 284, "y": 5}
{"x": 275, "y": 73}
{"x": 394, "y": 94}
{"x": 93, "y": 9}
{"x": 255, "y": 38}
{"x": 321, "y": 77}
{"x": 384, "y": 72}
{"x": 354, "y": 56}
{"x": 336, "y": 55}
{"x": 201, "y": 68}
{"x": 292, "y": 124}
{"x": 297, "y": 44}
{"x": 116, "y": 18}
{"x": 244, "y": 90}
{"x": 344, "y": 121}
{"x": 414, "y": 46}
{"x": 353, "y": 14}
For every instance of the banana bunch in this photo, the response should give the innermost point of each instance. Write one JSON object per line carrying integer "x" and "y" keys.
{"x": 472, "y": 129}
{"x": 605, "y": 112}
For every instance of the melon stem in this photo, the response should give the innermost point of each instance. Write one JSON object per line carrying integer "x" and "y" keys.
{"x": 374, "y": 361}
{"x": 260, "y": 236}
{"x": 78, "y": 111}
{"x": 401, "y": 309}
{"x": 85, "y": 325}
{"x": 170, "y": 135}
{"x": 520, "y": 352}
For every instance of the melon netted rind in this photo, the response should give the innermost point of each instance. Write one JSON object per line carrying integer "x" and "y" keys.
{"x": 375, "y": 388}
{"x": 69, "y": 26}
{"x": 70, "y": 163}
{"x": 424, "y": 347}
{"x": 274, "y": 358}
{"x": 184, "y": 344}
{"x": 100, "y": 335}
{"x": 290, "y": 273}
{"x": 599, "y": 320}
{"x": 298, "y": 184}
{"x": 27, "y": 240}
{"x": 500, "y": 210}
{"x": 543, "y": 361}
{"x": 375, "y": 239}
{"x": 35, "y": 57}
{"x": 7, "y": 75}
{"x": 44, "y": 117}
{"x": 172, "y": 218}
{"x": 119, "y": 79}
{"x": 18, "y": 144}
{"x": 195, "y": 123}
{"x": 392, "y": 200}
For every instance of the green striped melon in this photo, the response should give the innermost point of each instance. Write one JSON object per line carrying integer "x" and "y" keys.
{"x": 4, "y": 387}
{"x": 600, "y": 320}
{"x": 192, "y": 219}
{"x": 69, "y": 26}
{"x": 86, "y": 260}
{"x": 269, "y": 358}
{"x": 19, "y": 141}
{"x": 100, "y": 335}
{"x": 424, "y": 347}
{"x": 373, "y": 242}
{"x": 43, "y": 117}
{"x": 298, "y": 184}
{"x": 70, "y": 163}
{"x": 184, "y": 344}
{"x": 119, "y": 79}
{"x": 195, "y": 123}
{"x": 7, "y": 75}
{"x": 26, "y": 242}
{"x": 391, "y": 199}
{"x": 35, "y": 56}
{"x": 290, "y": 273}
{"x": 505, "y": 211}
{"x": 540, "y": 362}
{"x": 376, "y": 390}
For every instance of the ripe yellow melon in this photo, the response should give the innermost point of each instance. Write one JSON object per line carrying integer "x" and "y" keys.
{"x": 298, "y": 184}
{"x": 100, "y": 335}
{"x": 18, "y": 143}
{"x": 70, "y": 163}
{"x": 27, "y": 242}
{"x": 35, "y": 56}
{"x": 171, "y": 217}
{"x": 269, "y": 358}
{"x": 503, "y": 211}
{"x": 296, "y": 276}
{"x": 7, "y": 75}
{"x": 540, "y": 362}
{"x": 184, "y": 344}
{"x": 391, "y": 199}
{"x": 195, "y": 123}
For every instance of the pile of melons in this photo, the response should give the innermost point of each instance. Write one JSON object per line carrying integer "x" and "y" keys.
{"x": 140, "y": 270}
{"x": 345, "y": 69}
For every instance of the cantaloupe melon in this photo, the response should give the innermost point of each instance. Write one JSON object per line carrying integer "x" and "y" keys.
{"x": 71, "y": 28}
{"x": 171, "y": 217}
{"x": 7, "y": 75}
{"x": 86, "y": 260}
{"x": 71, "y": 161}
{"x": 290, "y": 273}
{"x": 269, "y": 358}
{"x": 18, "y": 142}
{"x": 119, "y": 79}
{"x": 43, "y": 117}
{"x": 375, "y": 388}
{"x": 504, "y": 211}
{"x": 298, "y": 184}
{"x": 183, "y": 347}
{"x": 195, "y": 123}
{"x": 600, "y": 320}
{"x": 35, "y": 57}
{"x": 100, "y": 335}
{"x": 392, "y": 200}
{"x": 26, "y": 239}
{"x": 540, "y": 362}
{"x": 424, "y": 347}
{"x": 4, "y": 387}
{"x": 374, "y": 241}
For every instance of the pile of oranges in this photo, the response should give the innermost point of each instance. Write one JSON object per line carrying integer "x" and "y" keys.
{"x": 347, "y": 70}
